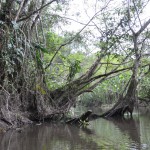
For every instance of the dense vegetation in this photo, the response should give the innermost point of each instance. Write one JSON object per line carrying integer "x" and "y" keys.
{"x": 44, "y": 67}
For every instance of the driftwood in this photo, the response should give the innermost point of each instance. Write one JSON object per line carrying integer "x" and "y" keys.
{"x": 80, "y": 120}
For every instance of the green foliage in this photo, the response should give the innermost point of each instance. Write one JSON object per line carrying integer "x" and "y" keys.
{"x": 107, "y": 92}
{"x": 91, "y": 99}
{"x": 22, "y": 52}
{"x": 66, "y": 64}
{"x": 12, "y": 55}
{"x": 144, "y": 88}
{"x": 39, "y": 49}
{"x": 53, "y": 41}
{"x": 73, "y": 69}
{"x": 64, "y": 68}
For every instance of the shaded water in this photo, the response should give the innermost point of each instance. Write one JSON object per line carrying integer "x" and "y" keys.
{"x": 101, "y": 134}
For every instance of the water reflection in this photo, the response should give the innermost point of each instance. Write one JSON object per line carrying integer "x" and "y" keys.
{"x": 101, "y": 134}
{"x": 48, "y": 137}
{"x": 125, "y": 134}
{"x": 130, "y": 127}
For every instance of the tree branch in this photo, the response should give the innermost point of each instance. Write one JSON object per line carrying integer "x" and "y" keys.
{"x": 18, "y": 12}
{"x": 143, "y": 27}
{"x": 34, "y": 12}
{"x": 72, "y": 39}
{"x": 105, "y": 75}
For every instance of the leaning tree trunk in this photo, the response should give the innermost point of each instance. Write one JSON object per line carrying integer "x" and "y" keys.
{"x": 126, "y": 103}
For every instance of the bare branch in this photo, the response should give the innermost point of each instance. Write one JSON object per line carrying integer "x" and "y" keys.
{"x": 74, "y": 20}
{"x": 72, "y": 39}
{"x": 34, "y": 12}
{"x": 137, "y": 12}
{"x": 143, "y": 27}
{"x": 18, "y": 12}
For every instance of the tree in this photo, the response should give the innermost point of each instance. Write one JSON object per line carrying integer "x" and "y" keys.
{"x": 21, "y": 54}
{"x": 127, "y": 102}
{"x": 26, "y": 42}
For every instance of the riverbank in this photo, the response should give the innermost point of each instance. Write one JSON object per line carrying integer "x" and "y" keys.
{"x": 13, "y": 120}
{"x": 16, "y": 120}
{"x": 129, "y": 133}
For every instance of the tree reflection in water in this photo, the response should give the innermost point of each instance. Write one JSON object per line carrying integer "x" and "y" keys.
{"x": 130, "y": 127}
{"x": 101, "y": 134}
{"x": 49, "y": 137}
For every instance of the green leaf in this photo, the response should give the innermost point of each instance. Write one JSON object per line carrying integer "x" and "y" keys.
{"x": 73, "y": 69}
{"x": 40, "y": 47}
{"x": 38, "y": 59}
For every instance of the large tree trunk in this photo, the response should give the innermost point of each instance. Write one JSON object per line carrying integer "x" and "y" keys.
{"x": 2, "y": 64}
{"x": 125, "y": 103}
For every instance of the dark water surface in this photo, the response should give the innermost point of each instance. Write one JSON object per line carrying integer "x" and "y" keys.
{"x": 101, "y": 134}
